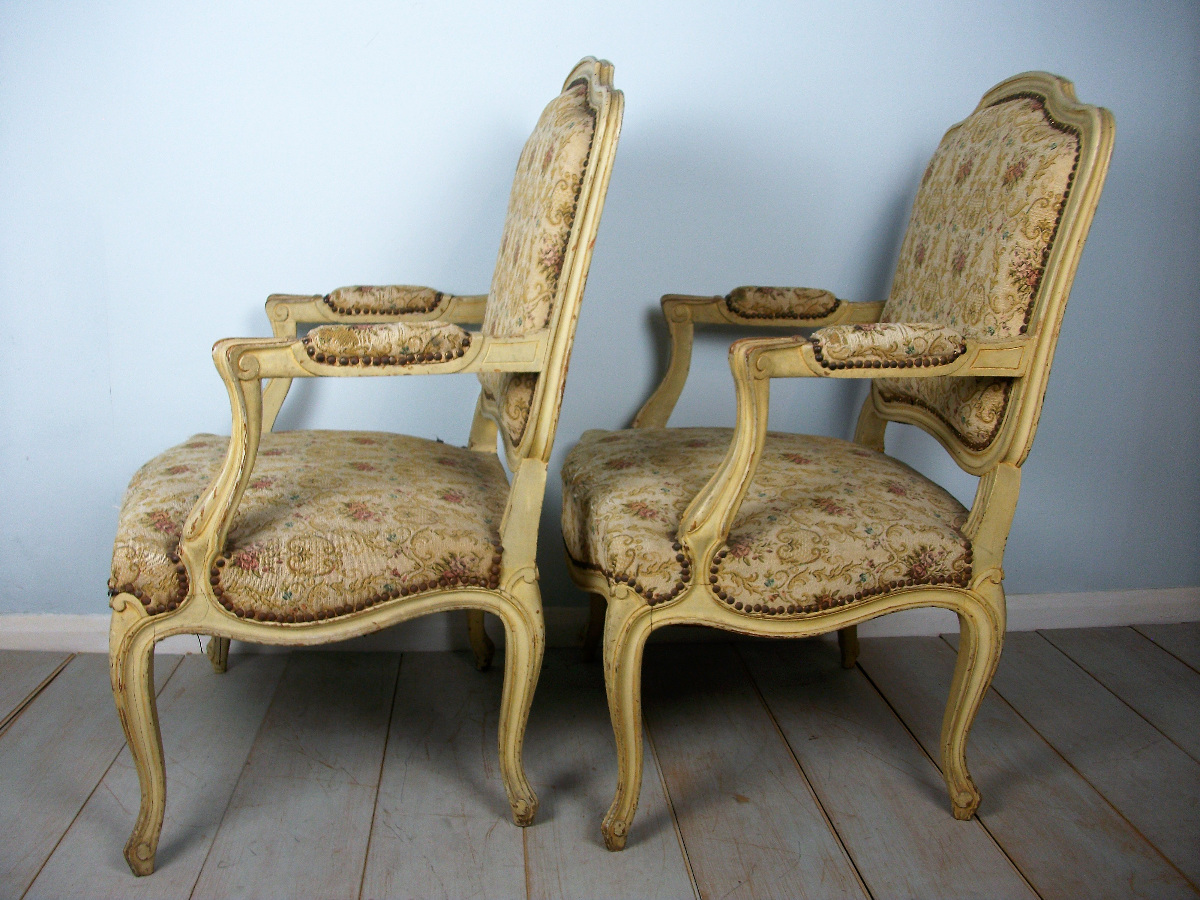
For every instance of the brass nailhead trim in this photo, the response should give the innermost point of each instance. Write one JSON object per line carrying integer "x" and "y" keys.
{"x": 828, "y": 602}
{"x": 1067, "y": 129}
{"x": 155, "y": 605}
{"x": 783, "y": 314}
{"x": 438, "y": 297}
{"x": 406, "y": 359}
{"x": 913, "y": 362}
{"x": 651, "y": 598}
{"x": 491, "y": 581}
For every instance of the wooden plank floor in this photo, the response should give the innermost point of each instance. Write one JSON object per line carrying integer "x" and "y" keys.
{"x": 770, "y": 772}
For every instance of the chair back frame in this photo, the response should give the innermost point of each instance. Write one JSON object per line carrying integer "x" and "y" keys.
{"x": 980, "y": 605}
{"x": 1095, "y": 129}
{"x": 551, "y": 346}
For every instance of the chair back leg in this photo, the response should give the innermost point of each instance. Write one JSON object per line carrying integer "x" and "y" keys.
{"x": 848, "y": 645}
{"x": 524, "y": 645}
{"x": 217, "y": 652}
{"x": 481, "y": 645}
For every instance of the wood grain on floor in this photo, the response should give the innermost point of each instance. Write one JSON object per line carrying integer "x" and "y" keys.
{"x": 1066, "y": 838}
{"x": 769, "y": 772}
{"x": 883, "y": 794}
{"x": 52, "y": 757}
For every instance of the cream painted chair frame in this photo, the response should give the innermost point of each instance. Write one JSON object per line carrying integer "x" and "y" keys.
{"x": 244, "y": 365}
{"x": 980, "y": 605}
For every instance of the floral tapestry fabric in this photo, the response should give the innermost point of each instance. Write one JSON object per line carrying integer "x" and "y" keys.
{"x": 331, "y": 522}
{"x": 753, "y": 302}
{"x": 392, "y": 299}
{"x": 537, "y": 228}
{"x": 390, "y": 343}
{"x": 825, "y": 522}
{"x": 890, "y": 345}
{"x": 981, "y": 229}
{"x": 514, "y": 391}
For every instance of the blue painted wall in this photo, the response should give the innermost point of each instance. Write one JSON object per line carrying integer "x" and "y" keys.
{"x": 163, "y": 167}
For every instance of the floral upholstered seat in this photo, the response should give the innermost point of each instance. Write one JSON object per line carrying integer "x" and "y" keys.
{"x": 825, "y": 523}
{"x": 308, "y": 537}
{"x": 785, "y": 535}
{"x": 333, "y": 522}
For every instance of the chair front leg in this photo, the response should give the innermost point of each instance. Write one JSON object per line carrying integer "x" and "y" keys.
{"x": 981, "y": 636}
{"x": 131, "y": 667}
{"x": 524, "y": 643}
{"x": 626, "y": 628}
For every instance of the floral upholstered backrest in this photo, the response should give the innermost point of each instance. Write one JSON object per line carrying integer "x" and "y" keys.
{"x": 983, "y": 228}
{"x": 543, "y": 208}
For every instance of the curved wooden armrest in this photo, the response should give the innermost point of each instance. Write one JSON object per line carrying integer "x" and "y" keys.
{"x": 756, "y": 307}
{"x": 800, "y": 357}
{"x": 243, "y": 363}
{"x": 754, "y": 362}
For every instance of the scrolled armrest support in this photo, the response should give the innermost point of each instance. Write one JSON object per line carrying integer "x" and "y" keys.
{"x": 243, "y": 364}
{"x": 207, "y": 526}
{"x": 755, "y": 361}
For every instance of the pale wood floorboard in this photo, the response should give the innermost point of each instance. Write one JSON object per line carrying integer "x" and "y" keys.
{"x": 51, "y": 759}
{"x": 22, "y": 673}
{"x": 749, "y": 819}
{"x": 208, "y": 723}
{"x": 1065, "y": 838}
{"x": 1160, "y": 687}
{"x": 884, "y": 796}
{"x": 1150, "y": 781}
{"x": 1182, "y": 641}
{"x": 781, "y": 774}
{"x": 298, "y": 822}
{"x": 443, "y": 827}
{"x": 572, "y": 763}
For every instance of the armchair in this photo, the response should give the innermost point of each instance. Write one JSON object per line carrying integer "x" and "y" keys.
{"x": 787, "y": 535}
{"x": 307, "y": 537}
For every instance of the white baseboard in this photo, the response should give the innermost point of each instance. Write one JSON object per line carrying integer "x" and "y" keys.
{"x": 564, "y": 624}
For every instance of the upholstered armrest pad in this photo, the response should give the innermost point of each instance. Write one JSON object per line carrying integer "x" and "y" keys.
{"x": 752, "y": 302}
{"x": 886, "y": 345}
{"x": 386, "y": 343}
{"x": 392, "y": 299}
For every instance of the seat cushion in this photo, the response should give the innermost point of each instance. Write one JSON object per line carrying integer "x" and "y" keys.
{"x": 825, "y": 522}
{"x": 331, "y": 522}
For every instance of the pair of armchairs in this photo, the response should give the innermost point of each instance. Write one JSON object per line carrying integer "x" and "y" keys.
{"x": 307, "y": 537}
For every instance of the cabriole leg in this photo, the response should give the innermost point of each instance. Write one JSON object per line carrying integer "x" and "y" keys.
{"x": 217, "y": 652}
{"x": 131, "y": 666}
{"x": 981, "y": 637}
{"x": 481, "y": 644}
{"x": 524, "y": 640}
{"x": 626, "y": 628}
